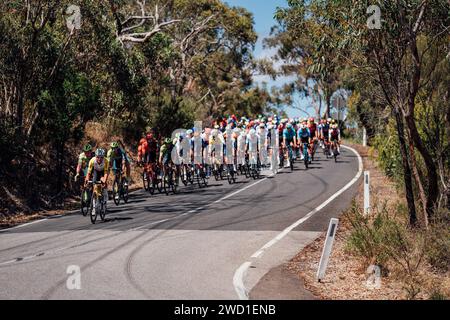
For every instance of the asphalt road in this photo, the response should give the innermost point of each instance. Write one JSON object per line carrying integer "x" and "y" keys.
{"x": 185, "y": 246}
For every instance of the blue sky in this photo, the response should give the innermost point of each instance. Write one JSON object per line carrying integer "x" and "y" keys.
{"x": 263, "y": 13}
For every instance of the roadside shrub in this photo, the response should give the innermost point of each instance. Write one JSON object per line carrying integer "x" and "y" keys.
{"x": 438, "y": 242}
{"x": 367, "y": 237}
{"x": 383, "y": 239}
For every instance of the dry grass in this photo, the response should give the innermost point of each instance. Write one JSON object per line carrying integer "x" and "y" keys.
{"x": 346, "y": 274}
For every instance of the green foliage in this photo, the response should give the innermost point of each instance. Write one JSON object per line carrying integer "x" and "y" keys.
{"x": 389, "y": 157}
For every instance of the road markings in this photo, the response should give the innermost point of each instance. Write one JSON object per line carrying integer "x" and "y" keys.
{"x": 238, "y": 279}
{"x": 202, "y": 207}
{"x": 133, "y": 229}
{"x": 24, "y": 225}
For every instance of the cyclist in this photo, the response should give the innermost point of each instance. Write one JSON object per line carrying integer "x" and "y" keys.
{"x": 312, "y": 126}
{"x": 289, "y": 141}
{"x": 252, "y": 146}
{"x": 119, "y": 159}
{"x": 241, "y": 145}
{"x": 304, "y": 136}
{"x": 98, "y": 168}
{"x": 263, "y": 143}
{"x": 216, "y": 146}
{"x": 335, "y": 136}
{"x": 148, "y": 147}
{"x": 325, "y": 131}
{"x": 165, "y": 154}
{"x": 83, "y": 161}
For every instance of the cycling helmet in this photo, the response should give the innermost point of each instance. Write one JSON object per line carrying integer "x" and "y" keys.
{"x": 100, "y": 153}
{"x": 189, "y": 132}
{"x": 329, "y": 119}
{"x": 333, "y": 121}
{"x": 168, "y": 140}
{"x": 87, "y": 148}
{"x": 149, "y": 136}
{"x": 311, "y": 119}
{"x": 114, "y": 145}
{"x": 289, "y": 126}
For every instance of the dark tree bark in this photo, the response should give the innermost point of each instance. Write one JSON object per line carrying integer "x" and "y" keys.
{"x": 407, "y": 169}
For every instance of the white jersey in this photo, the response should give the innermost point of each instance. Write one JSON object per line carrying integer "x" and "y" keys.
{"x": 252, "y": 141}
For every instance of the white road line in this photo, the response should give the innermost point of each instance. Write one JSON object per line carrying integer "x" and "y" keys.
{"x": 23, "y": 225}
{"x": 238, "y": 279}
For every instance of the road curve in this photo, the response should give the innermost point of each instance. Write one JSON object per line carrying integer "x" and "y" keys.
{"x": 185, "y": 246}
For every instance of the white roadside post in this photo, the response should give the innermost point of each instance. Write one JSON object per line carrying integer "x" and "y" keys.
{"x": 366, "y": 192}
{"x": 364, "y": 137}
{"x": 327, "y": 248}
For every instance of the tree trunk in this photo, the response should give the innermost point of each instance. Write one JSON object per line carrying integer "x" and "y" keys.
{"x": 407, "y": 169}
{"x": 419, "y": 184}
{"x": 433, "y": 188}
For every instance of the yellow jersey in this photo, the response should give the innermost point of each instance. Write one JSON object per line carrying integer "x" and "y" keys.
{"x": 93, "y": 165}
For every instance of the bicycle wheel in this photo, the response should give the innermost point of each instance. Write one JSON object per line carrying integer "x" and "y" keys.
{"x": 198, "y": 177}
{"x": 151, "y": 183}
{"x": 291, "y": 159}
{"x": 146, "y": 180}
{"x": 85, "y": 203}
{"x": 216, "y": 174}
{"x": 124, "y": 192}
{"x": 191, "y": 175}
{"x": 174, "y": 182}
{"x": 93, "y": 209}
{"x": 204, "y": 177}
{"x": 233, "y": 174}
{"x": 159, "y": 183}
{"x": 305, "y": 158}
{"x": 116, "y": 192}
{"x": 102, "y": 209}
{"x": 222, "y": 172}
{"x": 166, "y": 184}
{"x": 184, "y": 176}
{"x": 281, "y": 156}
{"x": 230, "y": 176}
{"x": 257, "y": 172}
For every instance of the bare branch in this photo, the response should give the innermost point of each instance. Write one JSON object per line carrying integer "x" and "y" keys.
{"x": 124, "y": 33}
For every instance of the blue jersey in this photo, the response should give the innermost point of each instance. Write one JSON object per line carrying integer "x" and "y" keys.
{"x": 304, "y": 133}
{"x": 289, "y": 134}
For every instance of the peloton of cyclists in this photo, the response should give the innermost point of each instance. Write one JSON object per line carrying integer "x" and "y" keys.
{"x": 251, "y": 139}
